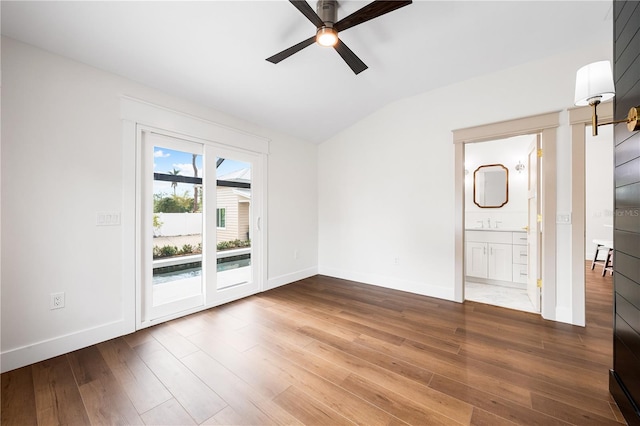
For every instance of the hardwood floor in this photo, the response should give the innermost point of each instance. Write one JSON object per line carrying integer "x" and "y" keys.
{"x": 325, "y": 351}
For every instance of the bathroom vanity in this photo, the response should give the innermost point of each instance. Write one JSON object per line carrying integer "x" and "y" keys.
{"x": 497, "y": 255}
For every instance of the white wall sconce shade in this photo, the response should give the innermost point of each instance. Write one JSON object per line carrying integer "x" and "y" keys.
{"x": 594, "y": 81}
{"x": 594, "y": 84}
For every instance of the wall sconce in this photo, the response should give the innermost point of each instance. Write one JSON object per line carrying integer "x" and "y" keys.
{"x": 519, "y": 167}
{"x": 594, "y": 84}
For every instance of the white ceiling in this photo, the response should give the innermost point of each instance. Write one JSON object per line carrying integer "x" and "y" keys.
{"x": 213, "y": 52}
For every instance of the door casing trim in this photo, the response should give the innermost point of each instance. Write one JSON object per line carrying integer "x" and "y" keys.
{"x": 546, "y": 125}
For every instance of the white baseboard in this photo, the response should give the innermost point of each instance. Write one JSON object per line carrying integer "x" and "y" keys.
{"x": 447, "y": 293}
{"x": 19, "y": 357}
{"x": 289, "y": 278}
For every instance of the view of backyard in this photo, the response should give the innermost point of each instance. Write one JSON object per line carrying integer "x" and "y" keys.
{"x": 178, "y": 224}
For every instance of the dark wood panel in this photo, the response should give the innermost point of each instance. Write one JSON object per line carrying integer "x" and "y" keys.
{"x": 627, "y": 242}
{"x": 626, "y": 265}
{"x": 624, "y": 383}
{"x": 627, "y": 219}
{"x": 629, "y": 78}
{"x": 626, "y": 54}
{"x": 628, "y": 312}
{"x": 625, "y": 31}
{"x": 625, "y": 365}
{"x": 627, "y": 173}
{"x": 627, "y": 150}
{"x": 628, "y": 335}
{"x": 625, "y": 102}
{"x": 620, "y": 131}
{"x": 628, "y": 289}
{"x": 620, "y": 396}
{"x": 626, "y": 197}
{"x": 622, "y": 13}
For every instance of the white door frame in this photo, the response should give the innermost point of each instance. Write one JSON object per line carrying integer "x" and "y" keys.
{"x": 135, "y": 114}
{"x": 580, "y": 119}
{"x": 545, "y": 125}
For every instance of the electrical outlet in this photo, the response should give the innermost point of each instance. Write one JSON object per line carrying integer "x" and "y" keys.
{"x": 56, "y": 301}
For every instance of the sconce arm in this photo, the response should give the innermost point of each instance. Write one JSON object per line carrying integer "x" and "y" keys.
{"x": 633, "y": 124}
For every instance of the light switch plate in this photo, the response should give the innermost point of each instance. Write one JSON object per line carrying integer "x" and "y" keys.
{"x": 108, "y": 219}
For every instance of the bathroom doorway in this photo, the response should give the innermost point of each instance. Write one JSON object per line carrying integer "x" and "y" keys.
{"x": 544, "y": 125}
{"x": 500, "y": 225}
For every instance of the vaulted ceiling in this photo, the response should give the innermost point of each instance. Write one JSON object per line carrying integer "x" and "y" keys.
{"x": 213, "y": 52}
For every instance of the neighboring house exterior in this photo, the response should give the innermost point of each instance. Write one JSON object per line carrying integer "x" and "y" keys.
{"x": 233, "y": 206}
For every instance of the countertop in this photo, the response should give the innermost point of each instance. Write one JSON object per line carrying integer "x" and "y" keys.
{"x": 497, "y": 229}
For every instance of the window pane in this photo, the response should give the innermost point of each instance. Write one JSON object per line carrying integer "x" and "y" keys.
{"x": 177, "y": 225}
{"x": 234, "y": 216}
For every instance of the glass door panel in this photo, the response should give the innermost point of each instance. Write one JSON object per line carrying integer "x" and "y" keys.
{"x": 174, "y": 274}
{"x": 233, "y": 199}
{"x": 233, "y": 219}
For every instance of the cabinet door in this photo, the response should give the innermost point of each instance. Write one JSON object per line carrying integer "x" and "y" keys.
{"x": 476, "y": 260}
{"x": 500, "y": 265}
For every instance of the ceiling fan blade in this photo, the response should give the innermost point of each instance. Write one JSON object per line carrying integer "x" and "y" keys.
{"x": 350, "y": 58}
{"x": 290, "y": 51}
{"x": 368, "y": 12}
{"x": 307, "y": 11}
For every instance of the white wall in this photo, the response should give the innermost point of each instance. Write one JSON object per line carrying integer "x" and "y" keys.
{"x": 599, "y": 188}
{"x": 62, "y": 163}
{"x": 386, "y": 184}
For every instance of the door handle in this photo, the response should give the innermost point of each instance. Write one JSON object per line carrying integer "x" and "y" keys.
{"x": 259, "y": 223}
{"x": 526, "y": 228}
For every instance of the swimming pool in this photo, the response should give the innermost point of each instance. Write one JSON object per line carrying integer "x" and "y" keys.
{"x": 194, "y": 269}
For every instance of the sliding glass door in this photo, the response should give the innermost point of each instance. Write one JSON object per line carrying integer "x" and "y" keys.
{"x": 200, "y": 225}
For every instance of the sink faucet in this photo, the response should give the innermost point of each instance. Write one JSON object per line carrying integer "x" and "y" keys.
{"x": 488, "y": 222}
{"x": 496, "y": 223}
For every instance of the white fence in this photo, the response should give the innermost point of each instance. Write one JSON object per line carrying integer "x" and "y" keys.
{"x": 173, "y": 224}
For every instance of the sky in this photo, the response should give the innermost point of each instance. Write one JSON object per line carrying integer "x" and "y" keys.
{"x": 166, "y": 160}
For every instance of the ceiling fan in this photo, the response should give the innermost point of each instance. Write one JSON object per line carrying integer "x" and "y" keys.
{"x": 327, "y": 28}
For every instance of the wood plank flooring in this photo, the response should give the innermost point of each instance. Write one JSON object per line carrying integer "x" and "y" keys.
{"x": 325, "y": 351}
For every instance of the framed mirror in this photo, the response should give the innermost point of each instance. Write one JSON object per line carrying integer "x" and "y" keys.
{"x": 491, "y": 186}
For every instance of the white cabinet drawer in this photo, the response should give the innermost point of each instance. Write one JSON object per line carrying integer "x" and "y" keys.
{"x": 519, "y": 255}
{"x": 519, "y": 238}
{"x": 520, "y": 274}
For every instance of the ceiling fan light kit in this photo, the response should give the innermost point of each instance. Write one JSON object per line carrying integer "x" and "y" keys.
{"x": 327, "y": 37}
{"x": 327, "y": 27}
